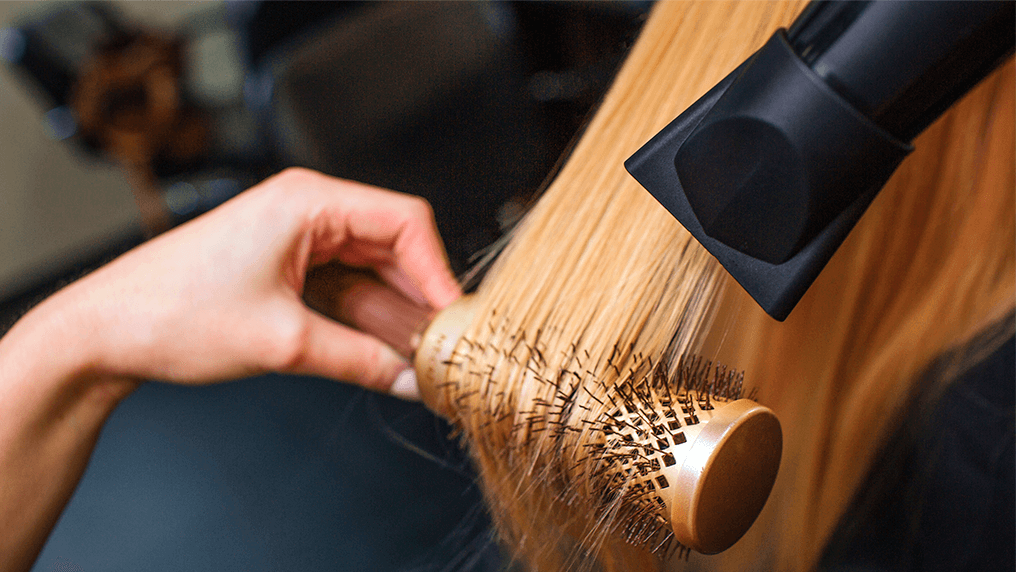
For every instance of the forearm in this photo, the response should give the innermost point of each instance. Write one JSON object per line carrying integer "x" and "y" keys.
{"x": 53, "y": 403}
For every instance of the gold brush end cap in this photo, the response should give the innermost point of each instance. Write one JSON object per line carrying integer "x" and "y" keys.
{"x": 726, "y": 476}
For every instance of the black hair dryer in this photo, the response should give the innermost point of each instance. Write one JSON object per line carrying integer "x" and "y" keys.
{"x": 772, "y": 168}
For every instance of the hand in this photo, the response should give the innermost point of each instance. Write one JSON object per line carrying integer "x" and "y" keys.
{"x": 221, "y": 296}
{"x": 216, "y": 298}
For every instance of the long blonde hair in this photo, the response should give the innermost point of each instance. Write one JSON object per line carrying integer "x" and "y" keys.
{"x": 598, "y": 272}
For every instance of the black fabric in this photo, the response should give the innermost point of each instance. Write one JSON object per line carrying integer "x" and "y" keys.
{"x": 274, "y": 473}
{"x": 941, "y": 496}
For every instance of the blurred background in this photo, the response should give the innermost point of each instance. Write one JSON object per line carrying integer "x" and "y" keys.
{"x": 118, "y": 121}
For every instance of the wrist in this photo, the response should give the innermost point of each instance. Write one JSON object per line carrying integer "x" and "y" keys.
{"x": 53, "y": 403}
{"x": 56, "y": 352}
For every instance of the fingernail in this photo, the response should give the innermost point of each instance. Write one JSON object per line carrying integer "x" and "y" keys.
{"x": 406, "y": 386}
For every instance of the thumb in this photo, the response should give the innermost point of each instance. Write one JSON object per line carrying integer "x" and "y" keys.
{"x": 337, "y": 352}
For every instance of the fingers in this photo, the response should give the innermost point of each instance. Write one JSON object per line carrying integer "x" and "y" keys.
{"x": 393, "y": 232}
{"x": 337, "y": 352}
{"x": 420, "y": 261}
{"x": 329, "y": 219}
{"x": 418, "y": 267}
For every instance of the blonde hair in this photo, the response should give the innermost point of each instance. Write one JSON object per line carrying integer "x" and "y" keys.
{"x": 599, "y": 282}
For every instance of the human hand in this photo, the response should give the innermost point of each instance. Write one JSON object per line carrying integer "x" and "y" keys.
{"x": 214, "y": 299}
{"x": 220, "y": 297}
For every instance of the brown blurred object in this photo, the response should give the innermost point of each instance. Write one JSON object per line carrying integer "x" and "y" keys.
{"x": 128, "y": 103}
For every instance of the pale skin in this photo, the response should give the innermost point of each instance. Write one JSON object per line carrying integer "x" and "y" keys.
{"x": 215, "y": 299}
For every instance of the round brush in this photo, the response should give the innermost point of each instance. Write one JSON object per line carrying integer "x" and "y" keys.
{"x": 678, "y": 458}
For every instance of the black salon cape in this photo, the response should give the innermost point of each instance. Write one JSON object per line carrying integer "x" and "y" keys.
{"x": 941, "y": 497}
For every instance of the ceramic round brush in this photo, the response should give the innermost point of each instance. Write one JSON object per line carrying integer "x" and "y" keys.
{"x": 672, "y": 457}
